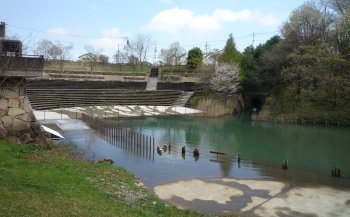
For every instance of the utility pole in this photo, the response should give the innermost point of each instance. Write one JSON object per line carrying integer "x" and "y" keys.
{"x": 253, "y": 39}
{"x": 206, "y": 48}
{"x": 118, "y": 58}
{"x": 155, "y": 54}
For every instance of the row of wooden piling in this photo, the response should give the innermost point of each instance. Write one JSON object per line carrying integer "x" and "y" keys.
{"x": 128, "y": 140}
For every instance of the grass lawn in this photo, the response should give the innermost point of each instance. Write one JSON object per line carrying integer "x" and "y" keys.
{"x": 36, "y": 182}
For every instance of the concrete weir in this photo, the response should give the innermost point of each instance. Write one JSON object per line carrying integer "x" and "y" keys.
{"x": 255, "y": 197}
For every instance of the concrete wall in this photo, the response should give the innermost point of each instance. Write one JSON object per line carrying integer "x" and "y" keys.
{"x": 75, "y": 84}
{"x": 17, "y": 121}
{"x": 11, "y": 66}
{"x": 134, "y": 85}
{"x": 184, "y": 86}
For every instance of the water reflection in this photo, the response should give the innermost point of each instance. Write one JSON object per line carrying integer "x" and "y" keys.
{"x": 311, "y": 151}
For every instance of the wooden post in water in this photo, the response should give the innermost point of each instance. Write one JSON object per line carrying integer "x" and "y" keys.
{"x": 153, "y": 149}
{"x": 140, "y": 143}
{"x": 143, "y": 146}
{"x": 127, "y": 140}
{"x": 146, "y": 147}
{"x": 150, "y": 147}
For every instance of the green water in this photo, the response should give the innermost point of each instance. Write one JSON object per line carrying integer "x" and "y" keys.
{"x": 307, "y": 148}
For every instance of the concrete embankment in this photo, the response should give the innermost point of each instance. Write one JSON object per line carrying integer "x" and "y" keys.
{"x": 255, "y": 197}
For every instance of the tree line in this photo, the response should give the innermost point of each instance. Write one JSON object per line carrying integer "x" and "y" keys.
{"x": 309, "y": 62}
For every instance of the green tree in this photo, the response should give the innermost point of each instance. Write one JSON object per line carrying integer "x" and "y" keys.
{"x": 251, "y": 63}
{"x": 230, "y": 54}
{"x": 248, "y": 67}
{"x": 194, "y": 57}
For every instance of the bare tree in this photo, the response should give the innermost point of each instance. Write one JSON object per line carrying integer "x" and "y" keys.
{"x": 64, "y": 52}
{"x": 102, "y": 58}
{"x": 93, "y": 53}
{"x": 139, "y": 47}
{"x": 213, "y": 56}
{"x": 43, "y": 48}
{"x": 173, "y": 55}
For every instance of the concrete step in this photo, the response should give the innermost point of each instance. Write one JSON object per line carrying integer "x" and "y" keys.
{"x": 183, "y": 99}
{"x": 42, "y": 99}
{"x": 152, "y": 83}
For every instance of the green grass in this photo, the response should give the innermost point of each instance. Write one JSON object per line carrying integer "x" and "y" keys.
{"x": 97, "y": 67}
{"x": 35, "y": 182}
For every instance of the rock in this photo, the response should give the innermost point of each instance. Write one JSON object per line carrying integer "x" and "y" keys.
{"x": 41, "y": 140}
{"x": 10, "y": 94}
{"x": 3, "y": 112}
{"x": 3, "y": 104}
{"x": 7, "y": 121}
{"x": 26, "y": 138}
{"x": 24, "y": 117}
{"x": 14, "y": 103}
{"x": 19, "y": 125}
{"x": 13, "y": 139}
{"x": 13, "y": 112}
{"x": 3, "y": 132}
{"x": 108, "y": 160}
{"x": 26, "y": 105}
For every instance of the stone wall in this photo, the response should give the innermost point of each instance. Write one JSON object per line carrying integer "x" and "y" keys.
{"x": 17, "y": 121}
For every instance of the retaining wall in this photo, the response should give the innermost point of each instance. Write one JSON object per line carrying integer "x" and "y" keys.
{"x": 17, "y": 121}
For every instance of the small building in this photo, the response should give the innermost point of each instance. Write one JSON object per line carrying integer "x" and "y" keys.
{"x": 88, "y": 57}
{"x": 13, "y": 63}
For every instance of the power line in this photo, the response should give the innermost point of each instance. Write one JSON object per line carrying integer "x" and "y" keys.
{"x": 64, "y": 35}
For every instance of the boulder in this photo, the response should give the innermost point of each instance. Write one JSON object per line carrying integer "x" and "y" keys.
{"x": 26, "y": 138}
{"x": 3, "y": 112}
{"x": 3, "y": 132}
{"x": 3, "y": 104}
{"x": 7, "y": 121}
{"x": 10, "y": 94}
{"x": 13, "y": 139}
{"x": 13, "y": 112}
{"x": 20, "y": 125}
{"x": 24, "y": 117}
{"x": 26, "y": 105}
{"x": 14, "y": 103}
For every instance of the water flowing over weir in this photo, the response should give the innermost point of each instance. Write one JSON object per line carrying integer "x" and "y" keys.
{"x": 133, "y": 142}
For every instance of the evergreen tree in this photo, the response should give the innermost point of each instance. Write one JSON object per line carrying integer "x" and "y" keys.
{"x": 230, "y": 54}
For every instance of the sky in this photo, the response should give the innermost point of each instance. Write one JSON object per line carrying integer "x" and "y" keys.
{"x": 107, "y": 24}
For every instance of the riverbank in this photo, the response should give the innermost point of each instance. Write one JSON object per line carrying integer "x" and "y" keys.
{"x": 286, "y": 109}
{"x": 56, "y": 182}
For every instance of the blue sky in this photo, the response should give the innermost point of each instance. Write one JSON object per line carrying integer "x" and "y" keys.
{"x": 104, "y": 24}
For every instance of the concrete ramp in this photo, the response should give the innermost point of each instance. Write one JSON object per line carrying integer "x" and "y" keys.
{"x": 183, "y": 99}
{"x": 152, "y": 83}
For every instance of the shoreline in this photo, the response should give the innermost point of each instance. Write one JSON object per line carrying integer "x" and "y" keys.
{"x": 254, "y": 197}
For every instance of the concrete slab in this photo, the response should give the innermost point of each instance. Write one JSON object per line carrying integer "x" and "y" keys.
{"x": 255, "y": 197}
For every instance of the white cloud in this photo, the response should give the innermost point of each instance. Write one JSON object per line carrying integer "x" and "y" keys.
{"x": 203, "y": 24}
{"x": 226, "y": 15}
{"x": 269, "y": 20}
{"x": 58, "y": 31}
{"x": 176, "y": 19}
{"x": 110, "y": 39}
{"x": 171, "y": 20}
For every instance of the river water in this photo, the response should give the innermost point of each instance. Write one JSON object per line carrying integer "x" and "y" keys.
{"x": 312, "y": 151}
